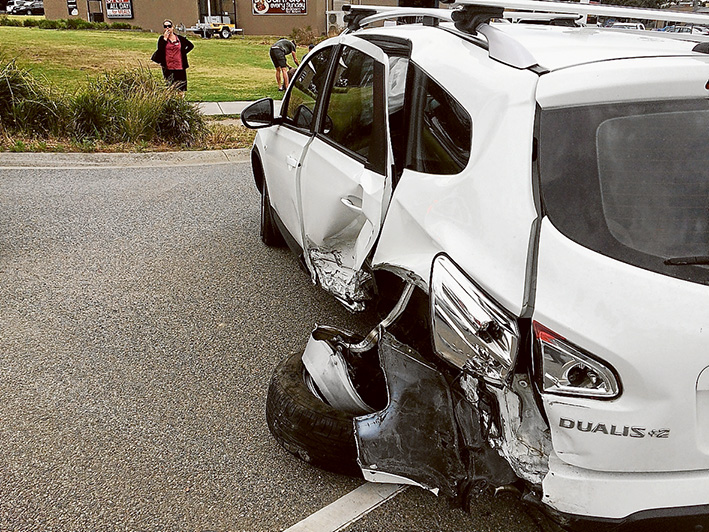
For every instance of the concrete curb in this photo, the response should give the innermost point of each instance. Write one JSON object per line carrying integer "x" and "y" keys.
{"x": 63, "y": 160}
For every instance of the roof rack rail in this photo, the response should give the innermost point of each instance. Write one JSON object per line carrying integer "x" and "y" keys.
{"x": 469, "y": 20}
{"x": 472, "y": 16}
{"x": 359, "y": 16}
{"x": 545, "y": 6}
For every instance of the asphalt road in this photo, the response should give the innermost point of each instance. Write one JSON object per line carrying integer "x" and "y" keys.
{"x": 140, "y": 319}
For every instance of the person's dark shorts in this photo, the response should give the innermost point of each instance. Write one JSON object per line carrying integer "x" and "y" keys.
{"x": 177, "y": 77}
{"x": 278, "y": 57}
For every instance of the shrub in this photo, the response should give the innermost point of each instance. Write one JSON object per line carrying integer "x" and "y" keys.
{"x": 134, "y": 106}
{"x": 122, "y": 106}
{"x": 29, "y": 105}
{"x": 6, "y": 21}
{"x": 78, "y": 24}
{"x": 305, "y": 36}
{"x": 51, "y": 24}
{"x": 92, "y": 115}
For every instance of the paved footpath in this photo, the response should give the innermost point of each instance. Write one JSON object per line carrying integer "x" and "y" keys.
{"x": 228, "y": 108}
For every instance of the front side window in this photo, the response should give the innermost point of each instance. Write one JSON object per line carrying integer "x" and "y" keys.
{"x": 306, "y": 89}
{"x": 353, "y": 109}
{"x": 631, "y": 181}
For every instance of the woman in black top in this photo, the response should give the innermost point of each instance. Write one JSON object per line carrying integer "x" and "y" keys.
{"x": 171, "y": 55}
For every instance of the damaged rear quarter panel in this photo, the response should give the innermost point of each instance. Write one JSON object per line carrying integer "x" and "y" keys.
{"x": 483, "y": 217}
{"x": 415, "y": 436}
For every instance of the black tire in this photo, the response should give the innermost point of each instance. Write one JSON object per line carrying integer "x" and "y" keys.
{"x": 270, "y": 234}
{"x": 225, "y": 33}
{"x": 307, "y": 427}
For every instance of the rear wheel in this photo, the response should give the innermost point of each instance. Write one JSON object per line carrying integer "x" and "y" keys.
{"x": 270, "y": 235}
{"x": 306, "y": 426}
{"x": 225, "y": 33}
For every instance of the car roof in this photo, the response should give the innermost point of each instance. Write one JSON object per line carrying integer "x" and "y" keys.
{"x": 560, "y": 47}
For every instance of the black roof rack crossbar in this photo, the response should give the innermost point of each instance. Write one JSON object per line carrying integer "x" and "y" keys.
{"x": 501, "y": 46}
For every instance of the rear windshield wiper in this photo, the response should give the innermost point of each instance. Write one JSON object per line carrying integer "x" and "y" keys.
{"x": 684, "y": 261}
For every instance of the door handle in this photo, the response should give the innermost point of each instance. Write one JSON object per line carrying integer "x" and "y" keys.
{"x": 352, "y": 202}
{"x": 291, "y": 161}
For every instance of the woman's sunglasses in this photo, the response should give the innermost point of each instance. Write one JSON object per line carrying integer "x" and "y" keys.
{"x": 167, "y": 25}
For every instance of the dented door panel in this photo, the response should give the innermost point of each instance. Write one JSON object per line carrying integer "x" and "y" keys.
{"x": 345, "y": 179}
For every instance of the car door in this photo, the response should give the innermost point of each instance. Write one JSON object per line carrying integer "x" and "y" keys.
{"x": 345, "y": 179}
{"x": 285, "y": 145}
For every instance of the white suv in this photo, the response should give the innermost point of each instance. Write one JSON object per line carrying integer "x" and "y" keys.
{"x": 531, "y": 206}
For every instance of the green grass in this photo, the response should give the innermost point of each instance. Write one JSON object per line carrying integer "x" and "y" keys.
{"x": 220, "y": 70}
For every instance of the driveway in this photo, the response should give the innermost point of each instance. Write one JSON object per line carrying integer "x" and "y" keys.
{"x": 140, "y": 319}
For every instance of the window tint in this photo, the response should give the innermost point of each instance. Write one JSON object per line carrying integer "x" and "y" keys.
{"x": 350, "y": 116}
{"x": 306, "y": 89}
{"x": 441, "y": 129}
{"x": 654, "y": 189}
{"x": 630, "y": 181}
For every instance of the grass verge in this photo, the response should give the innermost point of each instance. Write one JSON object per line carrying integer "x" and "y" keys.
{"x": 220, "y": 69}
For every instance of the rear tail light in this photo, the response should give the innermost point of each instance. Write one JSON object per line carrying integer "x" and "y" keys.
{"x": 568, "y": 370}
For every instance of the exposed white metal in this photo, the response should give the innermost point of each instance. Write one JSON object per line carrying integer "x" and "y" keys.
{"x": 328, "y": 370}
{"x": 372, "y": 475}
{"x": 373, "y": 337}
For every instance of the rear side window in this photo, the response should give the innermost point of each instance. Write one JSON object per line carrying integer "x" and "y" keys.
{"x": 307, "y": 87}
{"x": 631, "y": 181}
{"x": 441, "y": 129}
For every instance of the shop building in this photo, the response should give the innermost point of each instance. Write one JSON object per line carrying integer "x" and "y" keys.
{"x": 254, "y": 17}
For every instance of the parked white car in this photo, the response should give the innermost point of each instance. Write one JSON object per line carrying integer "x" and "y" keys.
{"x": 529, "y": 205}
{"x": 11, "y": 4}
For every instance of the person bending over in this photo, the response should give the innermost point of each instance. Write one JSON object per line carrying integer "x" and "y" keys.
{"x": 278, "y": 53}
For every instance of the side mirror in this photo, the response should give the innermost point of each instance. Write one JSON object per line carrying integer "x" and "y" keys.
{"x": 259, "y": 114}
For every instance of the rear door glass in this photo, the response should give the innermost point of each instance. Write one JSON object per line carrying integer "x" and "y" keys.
{"x": 306, "y": 89}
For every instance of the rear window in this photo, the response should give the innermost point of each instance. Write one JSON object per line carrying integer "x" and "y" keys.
{"x": 631, "y": 181}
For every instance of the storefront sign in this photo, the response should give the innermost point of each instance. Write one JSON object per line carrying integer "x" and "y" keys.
{"x": 72, "y": 8}
{"x": 279, "y": 7}
{"x": 119, "y": 9}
